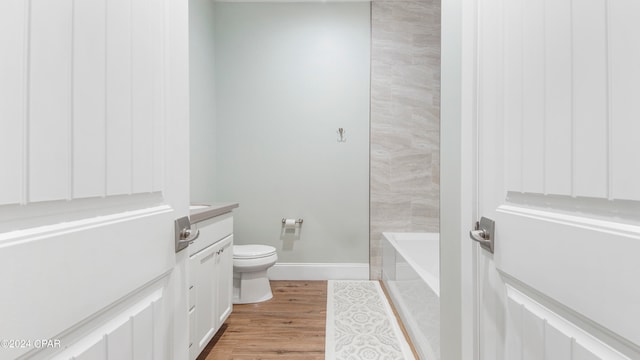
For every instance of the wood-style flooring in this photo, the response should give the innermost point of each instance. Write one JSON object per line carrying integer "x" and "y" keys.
{"x": 289, "y": 326}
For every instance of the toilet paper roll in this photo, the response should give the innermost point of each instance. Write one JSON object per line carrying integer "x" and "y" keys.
{"x": 290, "y": 224}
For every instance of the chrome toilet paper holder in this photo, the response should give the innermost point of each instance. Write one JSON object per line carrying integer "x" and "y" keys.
{"x": 298, "y": 221}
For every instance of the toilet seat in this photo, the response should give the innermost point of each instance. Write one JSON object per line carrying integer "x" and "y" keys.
{"x": 252, "y": 251}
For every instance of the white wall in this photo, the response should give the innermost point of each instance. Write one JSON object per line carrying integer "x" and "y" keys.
{"x": 288, "y": 75}
{"x": 202, "y": 100}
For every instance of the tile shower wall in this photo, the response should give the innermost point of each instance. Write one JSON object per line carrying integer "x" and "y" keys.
{"x": 405, "y": 120}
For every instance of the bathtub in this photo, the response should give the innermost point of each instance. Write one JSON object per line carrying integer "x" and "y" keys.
{"x": 411, "y": 275}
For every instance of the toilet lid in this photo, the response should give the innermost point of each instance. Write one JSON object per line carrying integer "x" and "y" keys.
{"x": 252, "y": 251}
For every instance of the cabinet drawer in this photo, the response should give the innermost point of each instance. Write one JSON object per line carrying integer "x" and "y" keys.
{"x": 211, "y": 231}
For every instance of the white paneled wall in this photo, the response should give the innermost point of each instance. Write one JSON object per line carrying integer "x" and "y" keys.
{"x": 567, "y": 129}
{"x": 80, "y": 99}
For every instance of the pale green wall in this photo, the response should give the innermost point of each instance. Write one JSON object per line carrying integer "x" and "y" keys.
{"x": 288, "y": 75}
{"x": 202, "y": 100}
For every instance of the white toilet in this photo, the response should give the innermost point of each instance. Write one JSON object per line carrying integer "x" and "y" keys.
{"x": 250, "y": 265}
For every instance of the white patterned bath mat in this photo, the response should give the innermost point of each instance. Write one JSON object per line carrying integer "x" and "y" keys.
{"x": 361, "y": 324}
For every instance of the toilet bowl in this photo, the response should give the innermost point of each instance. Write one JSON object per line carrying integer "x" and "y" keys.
{"x": 250, "y": 265}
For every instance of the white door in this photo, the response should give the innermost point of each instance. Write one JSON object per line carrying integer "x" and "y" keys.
{"x": 558, "y": 121}
{"x": 93, "y": 159}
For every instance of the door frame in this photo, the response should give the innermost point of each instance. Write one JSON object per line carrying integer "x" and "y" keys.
{"x": 458, "y": 189}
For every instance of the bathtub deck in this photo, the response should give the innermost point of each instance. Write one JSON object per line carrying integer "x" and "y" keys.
{"x": 289, "y": 326}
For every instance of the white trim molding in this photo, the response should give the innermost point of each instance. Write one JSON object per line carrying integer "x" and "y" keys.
{"x": 290, "y": 1}
{"x": 572, "y": 335}
{"x": 319, "y": 271}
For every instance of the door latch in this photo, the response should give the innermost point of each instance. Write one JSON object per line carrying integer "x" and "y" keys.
{"x": 484, "y": 233}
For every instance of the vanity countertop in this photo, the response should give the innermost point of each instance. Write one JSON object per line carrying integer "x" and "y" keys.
{"x": 201, "y": 212}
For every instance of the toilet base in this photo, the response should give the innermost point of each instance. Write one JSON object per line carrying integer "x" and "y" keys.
{"x": 251, "y": 287}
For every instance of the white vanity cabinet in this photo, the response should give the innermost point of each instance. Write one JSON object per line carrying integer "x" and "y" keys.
{"x": 210, "y": 272}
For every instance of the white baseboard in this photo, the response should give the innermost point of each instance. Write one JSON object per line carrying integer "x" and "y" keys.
{"x": 319, "y": 271}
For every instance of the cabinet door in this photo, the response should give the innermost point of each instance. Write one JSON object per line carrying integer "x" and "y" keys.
{"x": 193, "y": 345}
{"x": 225, "y": 280}
{"x": 206, "y": 294}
